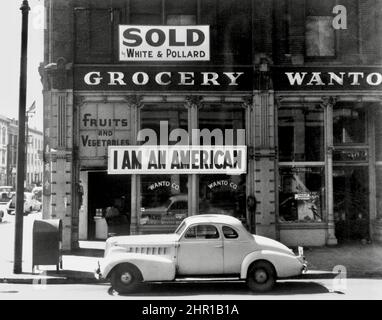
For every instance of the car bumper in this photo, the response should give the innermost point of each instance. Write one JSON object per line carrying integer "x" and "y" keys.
{"x": 98, "y": 273}
{"x": 304, "y": 263}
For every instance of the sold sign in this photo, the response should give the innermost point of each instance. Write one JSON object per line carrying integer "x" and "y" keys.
{"x": 164, "y": 43}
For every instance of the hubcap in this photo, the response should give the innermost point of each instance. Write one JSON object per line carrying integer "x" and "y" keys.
{"x": 126, "y": 277}
{"x": 261, "y": 276}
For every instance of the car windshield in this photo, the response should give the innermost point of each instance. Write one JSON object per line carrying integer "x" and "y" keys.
{"x": 180, "y": 229}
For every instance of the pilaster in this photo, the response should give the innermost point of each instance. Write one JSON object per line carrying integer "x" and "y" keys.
{"x": 328, "y": 103}
{"x": 265, "y": 164}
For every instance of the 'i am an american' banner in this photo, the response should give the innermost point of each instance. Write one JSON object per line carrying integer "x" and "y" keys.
{"x": 177, "y": 159}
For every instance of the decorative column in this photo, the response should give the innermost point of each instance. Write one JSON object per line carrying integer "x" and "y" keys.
{"x": 375, "y": 171}
{"x": 57, "y": 79}
{"x": 328, "y": 103}
{"x": 193, "y": 103}
{"x": 134, "y": 103}
{"x": 265, "y": 164}
{"x": 251, "y": 163}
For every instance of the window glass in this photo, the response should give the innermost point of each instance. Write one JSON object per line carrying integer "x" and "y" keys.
{"x": 222, "y": 194}
{"x": 319, "y": 32}
{"x": 180, "y": 12}
{"x": 221, "y": 118}
{"x": 181, "y": 19}
{"x": 301, "y": 194}
{"x": 145, "y": 12}
{"x": 202, "y": 232}
{"x": 164, "y": 198}
{"x": 301, "y": 133}
{"x": 349, "y": 124}
{"x": 171, "y": 116}
{"x": 233, "y": 31}
{"x": 229, "y": 233}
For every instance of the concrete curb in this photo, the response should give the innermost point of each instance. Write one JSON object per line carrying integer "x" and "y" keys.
{"x": 50, "y": 280}
{"x": 310, "y": 275}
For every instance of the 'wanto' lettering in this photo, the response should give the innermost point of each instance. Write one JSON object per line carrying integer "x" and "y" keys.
{"x": 334, "y": 78}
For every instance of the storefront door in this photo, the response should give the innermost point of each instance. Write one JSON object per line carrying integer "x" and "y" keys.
{"x": 351, "y": 202}
{"x": 109, "y": 196}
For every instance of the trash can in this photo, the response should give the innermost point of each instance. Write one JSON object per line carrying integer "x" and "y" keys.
{"x": 47, "y": 243}
{"x": 101, "y": 228}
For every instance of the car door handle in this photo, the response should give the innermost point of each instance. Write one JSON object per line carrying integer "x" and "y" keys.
{"x": 219, "y": 246}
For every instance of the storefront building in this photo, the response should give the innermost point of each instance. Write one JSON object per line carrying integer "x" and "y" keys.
{"x": 300, "y": 96}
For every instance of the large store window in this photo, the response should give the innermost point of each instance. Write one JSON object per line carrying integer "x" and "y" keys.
{"x": 164, "y": 198}
{"x": 223, "y": 194}
{"x": 301, "y": 140}
{"x": 301, "y": 194}
{"x": 301, "y": 133}
{"x": 349, "y": 124}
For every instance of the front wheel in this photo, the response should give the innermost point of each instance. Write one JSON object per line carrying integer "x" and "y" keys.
{"x": 126, "y": 278}
{"x": 261, "y": 276}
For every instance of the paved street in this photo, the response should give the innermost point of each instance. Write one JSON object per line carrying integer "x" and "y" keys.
{"x": 291, "y": 289}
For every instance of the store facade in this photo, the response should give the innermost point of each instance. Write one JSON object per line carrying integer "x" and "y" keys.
{"x": 328, "y": 165}
{"x": 310, "y": 132}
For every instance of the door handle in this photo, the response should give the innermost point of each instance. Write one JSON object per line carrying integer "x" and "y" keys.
{"x": 219, "y": 246}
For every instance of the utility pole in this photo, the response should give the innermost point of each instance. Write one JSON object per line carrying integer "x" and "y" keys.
{"x": 20, "y": 178}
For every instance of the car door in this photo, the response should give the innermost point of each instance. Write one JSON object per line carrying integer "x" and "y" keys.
{"x": 236, "y": 247}
{"x": 200, "y": 251}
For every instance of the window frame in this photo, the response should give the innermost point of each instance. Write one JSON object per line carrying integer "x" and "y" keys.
{"x": 365, "y": 142}
{"x": 202, "y": 239}
{"x": 227, "y": 238}
{"x": 310, "y": 58}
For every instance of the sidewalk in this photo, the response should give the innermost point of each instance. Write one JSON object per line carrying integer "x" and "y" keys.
{"x": 360, "y": 261}
{"x": 78, "y": 267}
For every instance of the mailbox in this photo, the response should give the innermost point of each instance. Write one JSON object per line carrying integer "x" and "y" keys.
{"x": 47, "y": 243}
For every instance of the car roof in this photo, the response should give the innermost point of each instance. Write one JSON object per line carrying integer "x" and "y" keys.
{"x": 213, "y": 218}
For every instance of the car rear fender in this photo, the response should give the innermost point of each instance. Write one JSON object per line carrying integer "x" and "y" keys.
{"x": 286, "y": 265}
{"x": 152, "y": 268}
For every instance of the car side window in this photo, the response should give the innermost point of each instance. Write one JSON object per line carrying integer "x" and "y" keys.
{"x": 202, "y": 232}
{"x": 229, "y": 233}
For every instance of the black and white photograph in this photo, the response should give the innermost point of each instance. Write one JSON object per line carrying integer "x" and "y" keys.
{"x": 200, "y": 152}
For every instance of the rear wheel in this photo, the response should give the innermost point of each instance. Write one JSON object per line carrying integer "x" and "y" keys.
{"x": 126, "y": 278}
{"x": 261, "y": 276}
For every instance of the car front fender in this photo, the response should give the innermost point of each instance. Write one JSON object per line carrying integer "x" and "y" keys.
{"x": 286, "y": 265}
{"x": 152, "y": 268}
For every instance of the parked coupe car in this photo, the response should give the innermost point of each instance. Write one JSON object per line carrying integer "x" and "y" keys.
{"x": 30, "y": 204}
{"x": 202, "y": 245}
